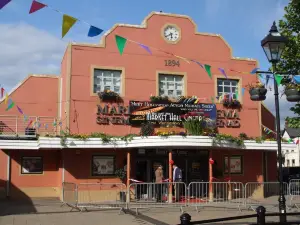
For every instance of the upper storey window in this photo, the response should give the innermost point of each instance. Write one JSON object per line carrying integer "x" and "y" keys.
{"x": 107, "y": 80}
{"x": 170, "y": 85}
{"x": 227, "y": 86}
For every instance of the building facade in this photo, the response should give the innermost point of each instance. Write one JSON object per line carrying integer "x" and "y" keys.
{"x": 69, "y": 103}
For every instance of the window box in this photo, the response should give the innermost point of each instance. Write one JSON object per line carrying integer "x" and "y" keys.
{"x": 160, "y": 99}
{"x": 108, "y": 95}
{"x": 231, "y": 103}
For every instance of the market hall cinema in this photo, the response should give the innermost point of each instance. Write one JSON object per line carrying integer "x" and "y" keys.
{"x": 107, "y": 112}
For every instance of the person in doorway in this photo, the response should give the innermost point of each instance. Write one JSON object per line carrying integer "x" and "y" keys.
{"x": 159, "y": 177}
{"x": 177, "y": 177}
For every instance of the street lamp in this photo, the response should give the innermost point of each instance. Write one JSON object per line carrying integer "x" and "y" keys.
{"x": 273, "y": 45}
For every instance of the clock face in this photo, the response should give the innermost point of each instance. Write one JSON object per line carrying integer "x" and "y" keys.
{"x": 171, "y": 33}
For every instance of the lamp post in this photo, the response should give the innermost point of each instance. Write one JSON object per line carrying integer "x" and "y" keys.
{"x": 273, "y": 45}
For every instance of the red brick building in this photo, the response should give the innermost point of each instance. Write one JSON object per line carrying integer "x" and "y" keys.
{"x": 70, "y": 102}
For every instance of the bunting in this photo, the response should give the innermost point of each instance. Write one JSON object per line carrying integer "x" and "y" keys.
{"x": 36, "y": 6}
{"x": 207, "y": 69}
{"x": 146, "y": 48}
{"x": 121, "y": 42}
{"x": 223, "y": 72}
{"x": 278, "y": 79}
{"x": 10, "y": 106}
{"x": 2, "y": 92}
{"x": 4, "y": 3}
{"x": 68, "y": 22}
{"x": 94, "y": 31}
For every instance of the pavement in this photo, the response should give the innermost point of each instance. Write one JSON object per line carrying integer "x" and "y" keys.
{"x": 51, "y": 212}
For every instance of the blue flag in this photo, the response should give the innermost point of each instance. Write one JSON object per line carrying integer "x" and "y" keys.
{"x": 94, "y": 31}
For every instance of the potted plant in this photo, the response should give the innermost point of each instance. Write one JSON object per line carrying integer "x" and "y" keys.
{"x": 292, "y": 92}
{"x": 121, "y": 174}
{"x": 257, "y": 91}
{"x": 160, "y": 99}
{"x": 108, "y": 95}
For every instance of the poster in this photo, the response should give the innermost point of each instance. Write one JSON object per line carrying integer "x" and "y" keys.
{"x": 32, "y": 165}
{"x": 171, "y": 113}
{"x": 235, "y": 163}
{"x": 103, "y": 165}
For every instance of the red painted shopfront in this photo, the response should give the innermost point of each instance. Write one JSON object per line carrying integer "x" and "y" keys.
{"x": 70, "y": 100}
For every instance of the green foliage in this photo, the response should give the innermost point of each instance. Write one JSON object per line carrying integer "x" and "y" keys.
{"x": 194, "y": 126}
{"x": 289, "y": 26}
{"x": 227, "y": 137}
{"x": 120, "y": 173}
{"x": 293, "y": 122}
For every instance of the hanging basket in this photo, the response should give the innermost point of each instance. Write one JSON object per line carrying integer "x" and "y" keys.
{"x": 258, "y": 94}
{"x": 292, "y": 95}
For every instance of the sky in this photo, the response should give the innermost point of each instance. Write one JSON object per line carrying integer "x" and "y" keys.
{"x": 32, "y": 44}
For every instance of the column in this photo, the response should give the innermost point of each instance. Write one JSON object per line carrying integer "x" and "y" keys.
{"x": 210, "y": 170}
{"x": 170, "y": 197}
{"x": 128, "y": 176}
{"x": 8, "y": 179}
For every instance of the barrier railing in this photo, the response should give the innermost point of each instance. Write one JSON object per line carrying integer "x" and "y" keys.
{"x": 27, "y": 127}
{"x": 155, "y": 195}
{"x": 294, "y": 192}
{"x": 69, "y": 194}
{"x": 263, "y": 193}
{"x": 101, "y": 196}
{"x": 222, "y": 194}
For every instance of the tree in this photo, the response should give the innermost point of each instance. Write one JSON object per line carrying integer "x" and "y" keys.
{"x": 289, "y": 26}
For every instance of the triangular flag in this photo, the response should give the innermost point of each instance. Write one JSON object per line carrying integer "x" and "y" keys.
{"x": 212, "y": 99}
{"x": 243, "y": 91}
{"x": 296, "y": 79}
{"x": 6, "y": 98}
{"x": 146, "y": 48}
{"x": 197, "y": 63}
{"x": 25, "y": 118}
{"x": 278, "y": 79}
{"x": 9, "y": 101}
{"x": 289, "y": 141}
{"x": 237, "y": 93}
{"x": 297, "y": 142}
{"x": 182, "y": 58}
{"x": 68, "y": 22}
{"x": 223, "y": 72}
{"x": 35, "y": 6}
{"x": 94, "y": 31}
{"x": 254, "y": 71}
{"x": 20, "y": 110}
{"x": 207, "y": 68}
{"x": 4, "y": 3}
{"x": 10, "y": 106}
{"x": 2, "y": 92}
{"x": 121, "y": 42}
{"x": 54, "y": 124}
{"x": 30, "y": 122}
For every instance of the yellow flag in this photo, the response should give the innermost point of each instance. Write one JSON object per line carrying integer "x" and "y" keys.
{"x": 6, "y": 98}
{"x": 68, "y": 22}
{"x": 182, "y": 58}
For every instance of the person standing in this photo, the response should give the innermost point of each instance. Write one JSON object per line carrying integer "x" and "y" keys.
{"x": 159, "y": 183}
{"x": 177, "y": 177}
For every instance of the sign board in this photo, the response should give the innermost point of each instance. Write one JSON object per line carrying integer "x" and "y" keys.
{"x": 175, "y": 113}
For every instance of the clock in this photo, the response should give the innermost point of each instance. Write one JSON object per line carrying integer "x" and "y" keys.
{"x": 171, "y": 33}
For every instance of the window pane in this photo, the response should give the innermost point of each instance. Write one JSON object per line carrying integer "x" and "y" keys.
{"x": 178, "y": 93}
{"x": 178, "y": 78}
{"x": 170, "y": 85}
{"x": 227, "y": 89}
{"x": 117, "y": 89}
{"x": 220, "y": 89}
{"x": 107, "y": 80}
{"x": 170, "y": 92}
{"x": 226, "y": 82}
{"x": 170, "y": 78}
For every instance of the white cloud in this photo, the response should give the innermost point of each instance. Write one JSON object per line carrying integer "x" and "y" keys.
{"x": 26, "y": 49}
{"x": 284, "y": 105}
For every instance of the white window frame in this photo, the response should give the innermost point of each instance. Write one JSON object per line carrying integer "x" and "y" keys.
{"x": 231, "y": 87}
{"x": 99, "y": 73}
{"x": 174, "y": 81}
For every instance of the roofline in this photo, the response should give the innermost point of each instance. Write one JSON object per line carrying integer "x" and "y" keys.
{"x": 144, "y": 25}
{"x": 27, "y": 78}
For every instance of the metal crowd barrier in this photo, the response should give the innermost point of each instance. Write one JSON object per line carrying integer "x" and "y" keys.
{"x": 263, "y": 193}
{"x": 69, "y": 194}
{"x": 196, "y": 194}
{"x": 156, "y": 195}
{"x": 101, "y": 196}
{"x": 294, "y": 192}
{"x": 220, "y": 194}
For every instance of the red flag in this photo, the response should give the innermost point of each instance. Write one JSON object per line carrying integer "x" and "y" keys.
{"x": 35, "y": 6}
{"x": 2, "y": 92}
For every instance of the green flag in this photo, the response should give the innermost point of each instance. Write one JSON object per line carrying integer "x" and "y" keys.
{"x": 237, "y": 93}
{"x": 290, "y": 140}
{"x": 278, "y": 79}
{"x": 207, "y": 69}
{"x": 10, "y": 106}
{"x": 121, "y": 42}
{"x": 212, "y": 99}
